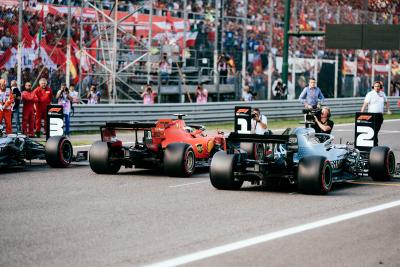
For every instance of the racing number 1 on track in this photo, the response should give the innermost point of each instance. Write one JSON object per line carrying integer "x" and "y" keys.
{"x": 243, "y": 120}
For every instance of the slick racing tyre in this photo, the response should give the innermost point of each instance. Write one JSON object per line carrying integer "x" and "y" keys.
{"x": 221, "y": 171}
{"x": 58, "y": 152}
{"x": 382, "y": 163}
{"x": 179, "y": 160}
{"x": 100, "y": 159}
{"x": 254, "y": 150}
{"x": 314, "y": 175}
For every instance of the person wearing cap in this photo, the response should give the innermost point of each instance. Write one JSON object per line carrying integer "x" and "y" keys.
{"x": 29, "y": 98}
{"x": 45, "y": 96}
{"x": 6, "y": 104}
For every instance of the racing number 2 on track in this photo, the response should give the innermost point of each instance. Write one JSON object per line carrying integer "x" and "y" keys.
{"x": 365, "y": 136}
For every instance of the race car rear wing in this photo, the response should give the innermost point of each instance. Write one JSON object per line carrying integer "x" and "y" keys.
{"x": 108, "y": 131}
{"x": 129, "y": 125}
{"x": 257, "y": 138}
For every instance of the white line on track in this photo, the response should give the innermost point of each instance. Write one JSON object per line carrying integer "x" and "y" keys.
{"x": 271, "y": 236}
{"x": 179, "y": 185}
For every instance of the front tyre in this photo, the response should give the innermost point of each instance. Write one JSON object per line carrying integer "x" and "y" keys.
{"x": 382, "y": 163}
{"x": 179, "y": 160}
{"x": 58, "y": 152}
{"x": 222, "y": 171}
{"x": 100, "y": 159}
{"x": 314, "y": 175}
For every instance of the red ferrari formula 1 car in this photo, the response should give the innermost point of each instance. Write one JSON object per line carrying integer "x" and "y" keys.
{"x": 168, "y": 143}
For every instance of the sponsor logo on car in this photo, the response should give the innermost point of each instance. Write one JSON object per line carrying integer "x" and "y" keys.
{"x": 199, "y": 148}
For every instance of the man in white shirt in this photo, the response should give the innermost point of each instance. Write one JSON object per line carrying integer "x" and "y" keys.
{"x": 258, "y": 122}
{"x": 375, "y": 100}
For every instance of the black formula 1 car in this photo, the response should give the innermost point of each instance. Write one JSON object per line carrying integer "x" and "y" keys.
{"x": 16, "y": 149}
{"x": 299, "y": 156}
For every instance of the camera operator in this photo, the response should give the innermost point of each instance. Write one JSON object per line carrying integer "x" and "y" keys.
{"x": 63, "y": 97}
{"x": 148, "y": 95}
{"x": 258, "y": 122}
{"x": 322, "y": 123}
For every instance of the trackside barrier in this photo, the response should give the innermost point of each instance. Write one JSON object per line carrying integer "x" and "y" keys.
{"x": 90, "y": 117}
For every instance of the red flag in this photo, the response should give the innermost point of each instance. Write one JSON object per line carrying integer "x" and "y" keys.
{"x": 41, "y": 18}
{"x": 170, "y": 21}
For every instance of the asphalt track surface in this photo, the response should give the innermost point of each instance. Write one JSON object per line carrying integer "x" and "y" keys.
{"x": 73, "y": 217}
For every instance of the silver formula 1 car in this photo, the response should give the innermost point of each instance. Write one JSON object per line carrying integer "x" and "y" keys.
{"x": 16, "y": 149}
{"x": 300, "y": 156}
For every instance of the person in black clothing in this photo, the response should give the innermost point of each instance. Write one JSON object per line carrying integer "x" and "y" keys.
{"x": 323, "y": 124}
{"x": 17, "y": 100}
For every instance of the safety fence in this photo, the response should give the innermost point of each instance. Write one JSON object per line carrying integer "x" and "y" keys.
{"x": 90, "y": 117}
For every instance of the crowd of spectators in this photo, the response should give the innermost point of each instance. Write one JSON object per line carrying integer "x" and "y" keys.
{"x": 265, "y": 19}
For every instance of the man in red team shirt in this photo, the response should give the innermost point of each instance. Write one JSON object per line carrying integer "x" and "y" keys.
{"x": 44, "y": 96}
{"x": 6, "y": 103}
{"x": 28, "y": 113}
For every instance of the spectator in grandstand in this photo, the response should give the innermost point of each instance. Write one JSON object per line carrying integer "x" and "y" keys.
{"x": 6, "y": 102}
{"x": 279, "y": 90}
{"x": 148, "y": 95}
{"x": 258, "y": 122}
{"x": 75, "y": 98}
{"x": 201, "y": 94}
{"x": 375, "y": 101}
{"x": 57, "y": 77}
{"x": 74, "y": 94}
{"x": 311, "y": 96}
{"x": 247, "y": 96}
{"x": 6, "y": 40}
{"x": 4, "y": 74}
{"x": 26, "y": 76}
{"x": 45, "y": 96}
{"x": 222, "y": 66}
{"x": 93, "y": 95}
{"x": 63, "y": 98}
{"x": 17, "y": 99}
{"x": 29, "y": 98}
{"x": 165, "y": 69}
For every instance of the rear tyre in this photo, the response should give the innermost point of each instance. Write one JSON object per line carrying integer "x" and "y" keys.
{"x": 382, "y": 163}
{"x": 221, "y": 171}
{"x": 179, "y": 160}
{"x": 254, "y": 150}
{"x": 99, "y": 159}
{"x": 58, "y": 152}
{"x": 314, "y": 175}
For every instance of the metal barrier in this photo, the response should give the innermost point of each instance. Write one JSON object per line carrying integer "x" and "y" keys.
{"x": 90, "y": 117}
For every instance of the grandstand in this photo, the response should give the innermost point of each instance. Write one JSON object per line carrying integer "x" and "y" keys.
{"x": 123, "y": 45}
